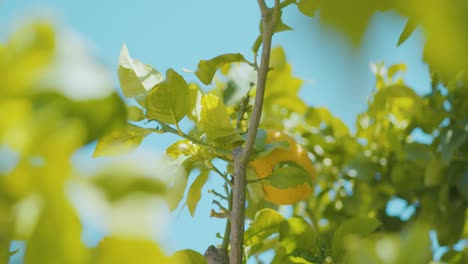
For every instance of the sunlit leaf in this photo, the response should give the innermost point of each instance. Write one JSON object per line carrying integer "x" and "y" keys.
{"x": 120, "y": 141}
{"x": 169, "y": 101}
{"x": 215, "y": 121}
{"x": 135, "y": 77}
{"x": 207, "y": 68}
{"x": 266, "y": 223}
{"x": 194, "y": 193}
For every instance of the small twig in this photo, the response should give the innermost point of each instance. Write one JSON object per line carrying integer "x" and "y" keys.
{"x": 227, "y": 229}
{"x": 224, "y": 209}
{"x": 218, "y": 194}
{"x": 223, "y": 175}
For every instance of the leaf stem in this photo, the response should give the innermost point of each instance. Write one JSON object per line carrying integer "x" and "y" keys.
{"x": 241, "y": 158}
{"x": 168, "y": 128}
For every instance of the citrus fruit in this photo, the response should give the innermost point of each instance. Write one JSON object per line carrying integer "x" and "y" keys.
{"x": 264, "y": 167}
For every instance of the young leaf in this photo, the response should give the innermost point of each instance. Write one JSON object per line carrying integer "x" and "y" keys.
{"x": 169, "y": 101}
{"x": 288, "y": 174}
{"x": 266, "y": 223}
{"x": 359, "y": 226}
{"x": 215, "y": 121}
{"x": 120, "y": 141}
{"x": 135, "y": 77}
{"x": 194, "y": 193}
{"x": 407, "y": 31}
{"x": 207, "y": 68}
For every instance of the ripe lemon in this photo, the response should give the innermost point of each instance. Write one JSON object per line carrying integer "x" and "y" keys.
{"x": 264, "y": 167}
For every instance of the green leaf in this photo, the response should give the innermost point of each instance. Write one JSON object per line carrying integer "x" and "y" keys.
{"x": 120, "y": 141}
{"x": 207, "y": 68}
{"x": 362, "y": 168}
{"x": 462, "y": 183}
{"x": 257, "y": 43}
{"x": 135, "y": 77}
{"x": 360, "y": 226}
{"x": 215, "y": 121}
{"x": 451, "y": 140}
{"x": 296, "y": 233}
{"x": 308, "y": 7}
{"x": 195, "y": 95}
{"x": 407, "y": 176}
{"x": 188, "y": 256}
{"x": 117, "y": 185}
{"x": 416, "y": 244}
{"x": 170, "y": 100}
{"x": 297, "y": 175}
{"x": 194, "y": 193}
{"x": 450, "y": 218}
{"x": 266, "y": 223}
{"x": 434, "y": 175}
{"x": 135, "y": 113}
{"x": 407, "y": 31}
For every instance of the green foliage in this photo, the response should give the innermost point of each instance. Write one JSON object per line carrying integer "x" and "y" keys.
{"x": 194, "y": 193}
{"x": 360, "y": 171}
{"x": 207, "y": 68}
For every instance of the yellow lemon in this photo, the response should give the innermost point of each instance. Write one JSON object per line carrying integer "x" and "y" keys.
{"x": 264, "y": 167}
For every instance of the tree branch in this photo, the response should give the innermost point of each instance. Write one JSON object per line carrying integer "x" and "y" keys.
{"x": 241, "y": 156}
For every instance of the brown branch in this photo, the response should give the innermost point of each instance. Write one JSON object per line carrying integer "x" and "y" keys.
{"x": 241, "y": 156}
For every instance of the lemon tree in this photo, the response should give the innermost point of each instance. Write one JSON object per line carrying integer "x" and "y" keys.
{"x": 408, "y": 151}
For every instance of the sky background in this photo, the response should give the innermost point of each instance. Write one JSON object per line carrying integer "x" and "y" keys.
{"x": 178, "y": 33}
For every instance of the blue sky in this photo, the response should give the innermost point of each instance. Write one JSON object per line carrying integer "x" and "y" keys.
{"x": 178, "y": 33}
